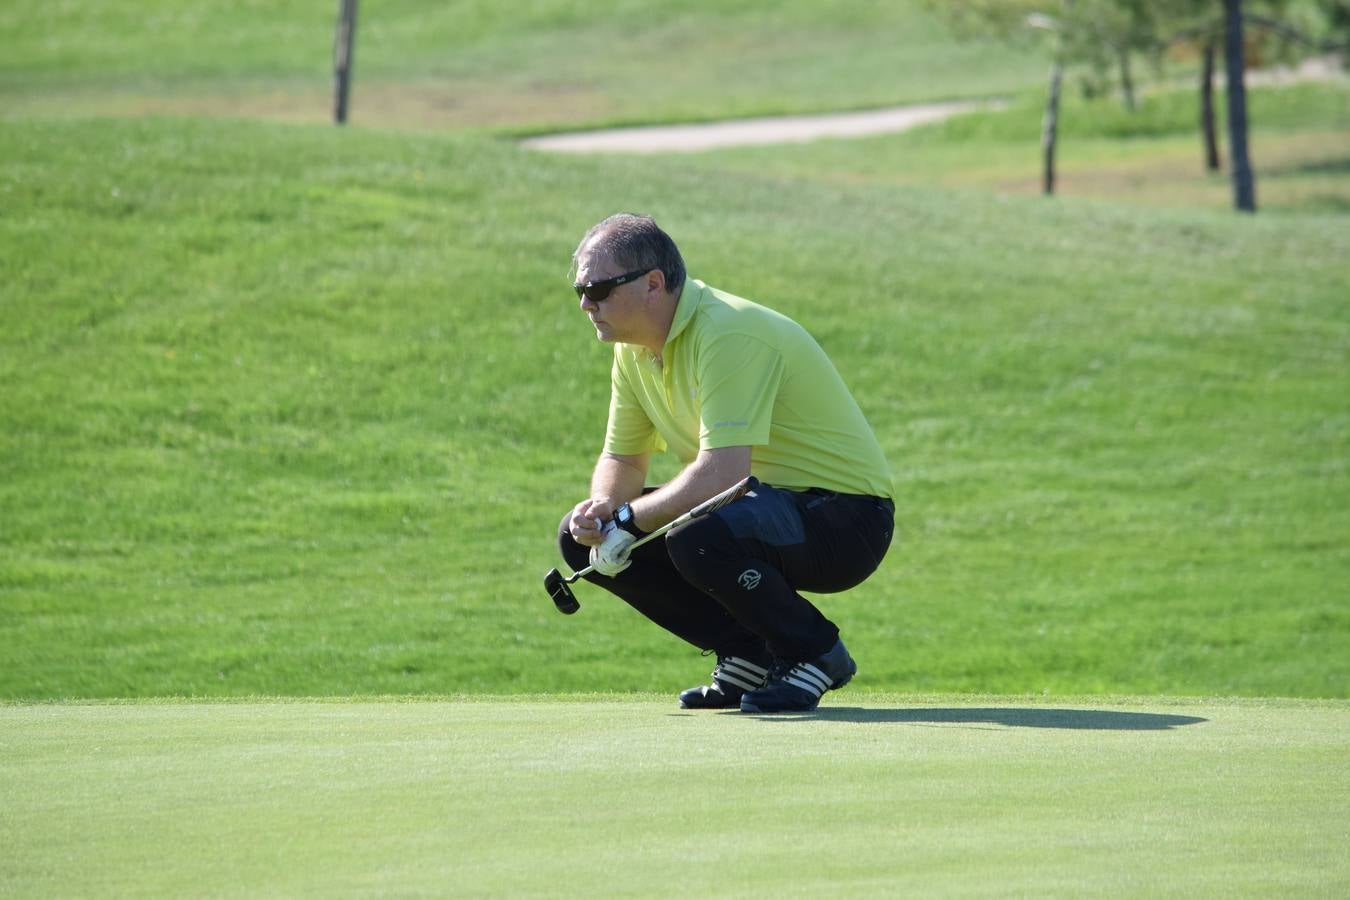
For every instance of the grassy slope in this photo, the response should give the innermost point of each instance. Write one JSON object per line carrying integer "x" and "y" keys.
{"x": 471, "y": 63}
{"x": 1150, "y": 157}
{"x": 931, "y": 797}
{"x": 294, "y": 411}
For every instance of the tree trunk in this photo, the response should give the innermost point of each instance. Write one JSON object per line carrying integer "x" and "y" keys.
{"x": 1212, "y": 161}
{"x": 1050, "y": 126}
{"x": 342, "y": 58}
{"x": 1126, "y": 79}
{"x": 1244, "y": 183}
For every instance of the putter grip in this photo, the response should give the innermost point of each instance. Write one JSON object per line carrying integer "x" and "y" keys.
{"x": 735, "y": 492}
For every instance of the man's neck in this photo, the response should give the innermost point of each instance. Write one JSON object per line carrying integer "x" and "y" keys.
{"x": 662, "y": 318}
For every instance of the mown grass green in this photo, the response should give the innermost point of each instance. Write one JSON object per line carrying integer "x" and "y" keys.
{"x": 931, "y": 796}
{"x": 290, "y": 410}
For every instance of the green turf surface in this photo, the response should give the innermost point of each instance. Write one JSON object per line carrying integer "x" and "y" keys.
{"x": 875, "y": 795}
{"x": 555, "y": 63}
{"x": 290, "y": 410}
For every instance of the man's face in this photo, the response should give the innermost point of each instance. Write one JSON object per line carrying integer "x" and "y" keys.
{"x": 623, "y": 315}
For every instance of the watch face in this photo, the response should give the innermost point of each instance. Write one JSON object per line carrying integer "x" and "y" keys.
{"x": 624, "y": 517}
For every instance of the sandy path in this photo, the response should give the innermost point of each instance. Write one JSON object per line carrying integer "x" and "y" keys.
{"x": 732, "y": 132}
{"x": 798, "y": 129}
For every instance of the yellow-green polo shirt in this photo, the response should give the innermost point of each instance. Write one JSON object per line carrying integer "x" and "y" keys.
{"x": 734, "y": 373}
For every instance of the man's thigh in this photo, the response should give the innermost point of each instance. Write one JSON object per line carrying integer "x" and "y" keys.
{"x": 819, "y": 541}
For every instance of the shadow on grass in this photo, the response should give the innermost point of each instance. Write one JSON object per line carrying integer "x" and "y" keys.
{"x": 1316, "y": 203}
{"x": 1337, "y": 166}
{"x": 1085, "y": 719}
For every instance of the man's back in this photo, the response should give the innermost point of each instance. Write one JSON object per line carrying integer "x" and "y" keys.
{"x": 735, "y": 373}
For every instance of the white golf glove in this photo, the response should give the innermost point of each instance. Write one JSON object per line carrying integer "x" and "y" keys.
{"x": 611, "y": 557}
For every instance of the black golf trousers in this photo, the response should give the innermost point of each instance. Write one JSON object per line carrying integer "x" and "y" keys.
{"x": 729, "y": 582}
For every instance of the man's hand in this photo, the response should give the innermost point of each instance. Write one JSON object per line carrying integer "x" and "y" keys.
{"x": 611, "y": 556}
{"x": 586, "y": 524}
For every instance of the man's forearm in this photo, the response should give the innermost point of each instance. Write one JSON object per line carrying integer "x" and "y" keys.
{"x": 709, "y": 474}
{"x": 618, "y": 479}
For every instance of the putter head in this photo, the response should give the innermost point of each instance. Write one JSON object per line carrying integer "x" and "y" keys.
{"x": 562, "y": 595}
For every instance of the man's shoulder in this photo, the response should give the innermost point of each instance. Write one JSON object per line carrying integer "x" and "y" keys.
{"x": 715, "y": 301}
{"x": 721, "y": 312}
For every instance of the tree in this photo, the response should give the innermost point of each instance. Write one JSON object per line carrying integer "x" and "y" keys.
{"x": 342, "y": 58}
{"x": 1244, "y": 183}
{"x": 1198, "y": 23}
{"x": 1338, "y": 26}
{"x": 1209, "y": 133}
{"x": 1284, "y": 28}
{"x": 1050, "y": 121}
{"x": 1103, "y": 36}
{"x": 1097, "y": 34}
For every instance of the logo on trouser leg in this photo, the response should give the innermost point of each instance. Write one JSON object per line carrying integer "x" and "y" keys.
{"x": 749, "y": 579}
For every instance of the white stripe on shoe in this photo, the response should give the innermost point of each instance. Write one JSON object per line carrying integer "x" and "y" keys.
{"x": 741, "y": 672}
{"x": 809, "y": 678}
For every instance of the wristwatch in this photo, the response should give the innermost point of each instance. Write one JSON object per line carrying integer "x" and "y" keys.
{"x": 623, "y": 517}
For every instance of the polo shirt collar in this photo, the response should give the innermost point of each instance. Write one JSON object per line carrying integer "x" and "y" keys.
{"x": 691, "y": 296}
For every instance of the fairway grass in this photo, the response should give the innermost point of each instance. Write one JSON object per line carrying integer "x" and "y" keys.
{"x": 293, "y": 411}
{"x": 546, "y": 64}
{"x": 875, "y": 795}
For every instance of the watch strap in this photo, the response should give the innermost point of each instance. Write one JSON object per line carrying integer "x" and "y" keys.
{"x": 623, "y": 517}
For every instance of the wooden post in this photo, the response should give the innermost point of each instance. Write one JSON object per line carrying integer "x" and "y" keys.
{"x": 1244, "y": 185}
{"x": 342, "y": 58}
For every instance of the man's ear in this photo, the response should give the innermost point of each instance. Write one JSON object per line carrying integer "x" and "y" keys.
{"x": 656, "y": 283}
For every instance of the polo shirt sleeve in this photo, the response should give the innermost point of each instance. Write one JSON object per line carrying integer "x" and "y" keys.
{"x": 739, "y": 377}
{"x": 630, "y": 432}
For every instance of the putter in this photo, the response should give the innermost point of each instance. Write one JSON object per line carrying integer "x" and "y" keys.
{"x": 557, "y": 585}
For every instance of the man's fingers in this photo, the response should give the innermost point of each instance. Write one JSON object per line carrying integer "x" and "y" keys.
{"x": 599, "y": 510}
{"x": 586, "y": 523}
{"x": 586, "y": 530}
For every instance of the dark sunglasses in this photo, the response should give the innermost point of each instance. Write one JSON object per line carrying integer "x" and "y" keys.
{"x": 596, "y": 291}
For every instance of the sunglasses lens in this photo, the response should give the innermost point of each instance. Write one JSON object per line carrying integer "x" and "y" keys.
{"x": 599, "y": 290}
{"x": 595, "y": 292}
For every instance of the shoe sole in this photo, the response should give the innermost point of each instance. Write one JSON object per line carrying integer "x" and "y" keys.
{"x": 755, "y": 710}
{"x": 732, "y": 705}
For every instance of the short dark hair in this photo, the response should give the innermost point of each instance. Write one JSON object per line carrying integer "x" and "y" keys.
{"x": 635, "y": 241}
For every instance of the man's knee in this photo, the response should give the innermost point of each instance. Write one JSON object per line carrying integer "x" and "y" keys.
{"x": 701, "y": 548}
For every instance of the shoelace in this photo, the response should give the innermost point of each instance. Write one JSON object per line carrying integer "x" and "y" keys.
{"x": 778, "y": 670}
{"x": 802, "y": 675}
